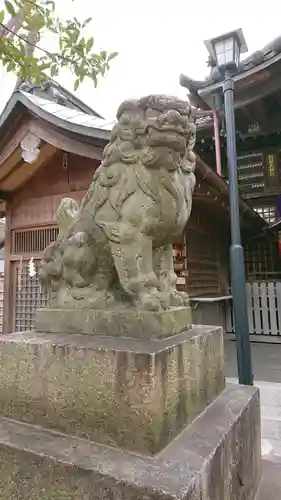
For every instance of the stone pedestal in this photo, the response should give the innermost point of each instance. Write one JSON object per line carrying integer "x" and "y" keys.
{"x": 140, "y": 419}
{"x": 217, "y": 457}
{"x": 134, "y": 394}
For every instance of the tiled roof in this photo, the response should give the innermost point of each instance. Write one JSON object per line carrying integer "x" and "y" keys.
{"x": 68, "y": 114}
{"x": 53, "y": 91}
{"x": 73, "y": 120}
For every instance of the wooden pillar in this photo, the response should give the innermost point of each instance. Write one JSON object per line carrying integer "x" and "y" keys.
{"x": 7, "y": 300}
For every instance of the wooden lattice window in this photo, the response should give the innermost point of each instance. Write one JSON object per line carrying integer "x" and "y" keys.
{"x": 33, "y": 241}
{"x": 262, "y": 261}
{"x": 203, "y": 277}
{"x": 28, "y": 298}
{"x": 267, "y": 212}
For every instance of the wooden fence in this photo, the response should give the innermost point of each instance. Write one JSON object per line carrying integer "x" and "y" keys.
{"x": 264, "y": 309}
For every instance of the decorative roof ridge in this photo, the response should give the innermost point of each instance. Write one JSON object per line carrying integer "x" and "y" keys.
{"x": 53, "y": 91}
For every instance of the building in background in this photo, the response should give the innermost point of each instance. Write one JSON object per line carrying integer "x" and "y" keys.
{"x": 258, "y": 126}
{"x": 257, "y": 100}
{"x": 49, "y": 150}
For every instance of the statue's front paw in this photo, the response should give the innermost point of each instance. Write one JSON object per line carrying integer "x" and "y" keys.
{"x": 154, "y": 300}
{"x": 179, "y": 299}
{"x": 149, "y": 301}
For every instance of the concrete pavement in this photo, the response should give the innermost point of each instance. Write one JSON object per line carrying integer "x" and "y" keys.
{"x": 266, "y": 359}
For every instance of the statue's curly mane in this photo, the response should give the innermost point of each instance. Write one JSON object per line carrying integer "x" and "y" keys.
{"x": 147, "y": 124}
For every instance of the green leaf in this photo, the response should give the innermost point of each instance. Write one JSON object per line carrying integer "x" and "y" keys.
{"x": 38, "y": 79}
{"x": 112, "y": 55}
{"x": 10, "y": 8}
{"x": 54, "y": 70}
{"x": 76, "y": 83}
{"x": 87, "y": 21}
{"x": 94, "y": 78}
{"x": 73, "y": 35}
{"x": 51, "y": 4}
{"x": 38, "y": 21}
{"x": 45, "y": 66}
{"x": 90, "y": 43}
{"x": 77, "y": 22}
{"x": 22, "y": 48}
{"x": 10, "y": 67}
{"x": 75, "y": 51}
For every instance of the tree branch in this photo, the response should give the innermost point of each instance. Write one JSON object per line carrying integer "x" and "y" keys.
{"x": 35, "y": 46}
{"x": 15, "y": 23}
{"x": 32, "y": 38}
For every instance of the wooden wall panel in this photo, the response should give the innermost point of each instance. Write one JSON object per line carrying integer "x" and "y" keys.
{"x": 39, "y": 211}
{"x": 36, "y": 203}
{"x": 52, "y": 179}
{"x": 207, "y": 256}
{"x": 80, "y": 172}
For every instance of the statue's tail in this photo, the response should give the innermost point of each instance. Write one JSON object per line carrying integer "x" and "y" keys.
{"x": 66, "y": 214}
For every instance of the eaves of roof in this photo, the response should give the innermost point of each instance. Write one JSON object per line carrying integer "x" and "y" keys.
{"x": 72, "y": 120}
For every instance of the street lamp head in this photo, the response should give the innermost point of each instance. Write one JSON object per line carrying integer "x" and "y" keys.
{"x": 225, "y": 50}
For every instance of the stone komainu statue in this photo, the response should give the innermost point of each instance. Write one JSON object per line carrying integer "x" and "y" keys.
{"x": 116, "y": 249}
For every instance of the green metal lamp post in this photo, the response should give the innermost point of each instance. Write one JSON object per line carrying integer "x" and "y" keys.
{"x": 225, "y": 51}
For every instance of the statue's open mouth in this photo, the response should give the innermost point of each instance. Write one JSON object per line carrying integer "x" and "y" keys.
{"x": 171, "y": 136}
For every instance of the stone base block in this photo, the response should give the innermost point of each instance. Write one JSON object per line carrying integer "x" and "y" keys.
{"x": 125, "y": 392}
{"x": 115, "y": 323}
{"x": 217, "y": 457}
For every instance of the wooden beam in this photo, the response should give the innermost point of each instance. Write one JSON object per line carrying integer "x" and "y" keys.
{"x": 254, "y": 93}
{"x": 2, "y": 209}
{"x": 4, "y": 195}
{"x": 248, "y": 114}
{"x": 10, "y": 163}
{"x": 8, "y": 148}
{"x": 261, "y": 111}
{"x": 64, "y": 142}
{"x": 26, "y": 170}
{"x": 256, "y": 113}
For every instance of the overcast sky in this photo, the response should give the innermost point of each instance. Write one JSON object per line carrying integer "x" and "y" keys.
{"x": 157, "y": 40}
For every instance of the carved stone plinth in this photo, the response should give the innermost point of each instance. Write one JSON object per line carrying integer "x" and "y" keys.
{"x": 217, "y": 457}
{"x": 132, "y": 323}
{"x": 131, "y": 393}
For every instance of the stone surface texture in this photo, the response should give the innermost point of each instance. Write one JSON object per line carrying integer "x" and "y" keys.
{"x": 115, "y": 323}
{"x": 130, "y": 393}
{"x": 115, "y": 250}
{"x": 217, "y": 457}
